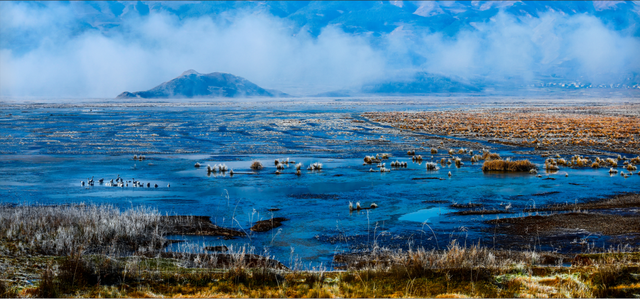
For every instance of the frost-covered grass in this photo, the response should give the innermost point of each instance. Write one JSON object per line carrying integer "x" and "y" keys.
{"x": 60, "y": 230}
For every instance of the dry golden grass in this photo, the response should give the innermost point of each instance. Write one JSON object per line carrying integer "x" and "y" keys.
{"x": 593, "y": 127}
{"x": 490, "y": 156}
{"x": 510, "y": 166}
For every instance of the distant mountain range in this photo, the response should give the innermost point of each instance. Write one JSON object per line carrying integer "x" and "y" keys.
{"x": 192, "y": 84}
{"x": 420, "y": 83}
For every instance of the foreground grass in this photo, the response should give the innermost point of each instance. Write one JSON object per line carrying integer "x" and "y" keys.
{"x": 615, "y": 274}
{"x": 104, "y": 258}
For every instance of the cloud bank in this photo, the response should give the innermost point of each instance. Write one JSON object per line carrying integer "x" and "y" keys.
{"x": 46, "y": 51}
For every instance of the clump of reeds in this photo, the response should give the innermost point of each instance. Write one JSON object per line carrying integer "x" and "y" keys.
{"x": 256, "y": 165}
{"x": 372, "y": 159}
{"x": 510, "y": 166}
{"x": 434, "y": 151}
{"x": 398, "y": 164}
{"x": 432, "y": 166}
{"x": 490, "y": 156}
{"x": 579, "y": 161}
{"x": 458, "y": 161}
{"x": 551, "y": 164}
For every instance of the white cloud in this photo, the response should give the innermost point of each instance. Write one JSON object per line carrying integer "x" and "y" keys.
{"x": 60, "y": 58}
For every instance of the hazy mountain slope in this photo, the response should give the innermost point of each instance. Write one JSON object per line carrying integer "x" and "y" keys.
{"x": 192, "y": 84}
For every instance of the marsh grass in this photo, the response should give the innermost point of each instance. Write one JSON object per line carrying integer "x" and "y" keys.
{"x": 456, "y": 271}
{"x": 62, "y": 230}
{"x": 191, "y": 271}
{"x": 509, "y": 166}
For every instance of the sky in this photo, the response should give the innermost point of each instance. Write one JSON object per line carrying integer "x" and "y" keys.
{"x": 62, "y": 49}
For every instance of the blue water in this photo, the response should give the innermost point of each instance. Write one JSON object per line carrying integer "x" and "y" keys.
{"x": 47, "y": 150}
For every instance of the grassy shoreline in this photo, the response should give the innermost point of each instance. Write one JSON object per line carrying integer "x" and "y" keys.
{"x": 98, "y": 251}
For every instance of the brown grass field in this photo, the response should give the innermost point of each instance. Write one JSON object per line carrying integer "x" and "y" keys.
{"x": 613, "y": 128}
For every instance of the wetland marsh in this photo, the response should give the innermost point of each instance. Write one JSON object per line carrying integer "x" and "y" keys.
{"x": 49, "y": 149}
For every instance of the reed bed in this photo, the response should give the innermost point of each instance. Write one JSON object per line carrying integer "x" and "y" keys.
{"x": 60, "y": 230}
{"x": 509, "y": 166}
{"x": 63, "y": 230}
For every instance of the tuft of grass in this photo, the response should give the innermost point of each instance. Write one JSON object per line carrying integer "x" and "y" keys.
{"x": 256, "y": 165}
{"x": 490, "y": 156}
{"x": 47, "y": 287}
{"x": 510, "y": 166}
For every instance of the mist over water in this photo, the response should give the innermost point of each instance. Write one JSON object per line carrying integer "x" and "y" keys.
{"x": 53, "y": 49}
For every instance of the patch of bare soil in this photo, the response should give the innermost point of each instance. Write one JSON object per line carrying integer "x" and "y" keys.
{"x": 481, "y": 212}
{"x": 267, "y": 225}
{"x": 624, "y": 201}
{"x": 606, "y": 224}
{"x": 465, "y": 205}
{"x": 196, "y": 225}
